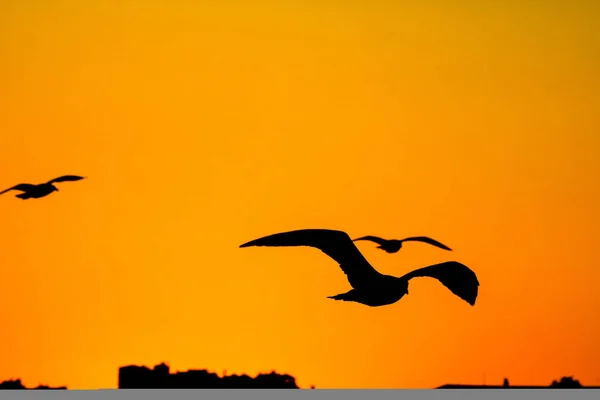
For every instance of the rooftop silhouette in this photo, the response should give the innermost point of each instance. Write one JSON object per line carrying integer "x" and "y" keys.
{"x": 370, "y": 287}
{"x": 160, "y": 377}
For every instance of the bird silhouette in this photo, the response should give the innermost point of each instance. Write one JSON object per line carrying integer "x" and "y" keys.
{"x": 31, "y": 191}
{"x": 369, "y": 287}
{"x": 394, "y": 245}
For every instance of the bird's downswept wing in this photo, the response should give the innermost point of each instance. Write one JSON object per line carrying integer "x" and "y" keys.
{"x": 459, "y": 278}
{"x": 336, "y": 244}
{"x": 374, "y": 239}
{"x": 21, "y": 186}
{"x": 427, "y": 240}
{"x": 66, "y": 178}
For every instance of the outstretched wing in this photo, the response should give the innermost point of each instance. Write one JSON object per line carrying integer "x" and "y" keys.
{"x": 336, "y": 244}
{"x": 23, "y": 187}
{"x": 457, "y": 277}
{"x": 428, "y": 240}
{"x": 66, "y": 178}
{"x": 374, "y": 239}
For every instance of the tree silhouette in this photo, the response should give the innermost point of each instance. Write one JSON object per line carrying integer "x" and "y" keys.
{"x": 567, "y": 382}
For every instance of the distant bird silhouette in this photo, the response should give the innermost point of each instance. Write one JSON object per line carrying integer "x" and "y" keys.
{"x": 370, "y": 287}
{"x": 393, "y": 245}
{"x": 31, "y": 191}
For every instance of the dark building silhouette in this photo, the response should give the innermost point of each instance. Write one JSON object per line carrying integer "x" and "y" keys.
{"x": 17, "y": 385}
{"x": 136, "y": 377}
{"x": 566, "y": 382}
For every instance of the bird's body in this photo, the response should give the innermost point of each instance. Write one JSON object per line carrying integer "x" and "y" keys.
{"x": 369, "y": 287}
{"x": 31, "y": 191}
{"x": 388, "y": 290}
{"x": 394, "y": 245}
{"x": 35, "y": 191}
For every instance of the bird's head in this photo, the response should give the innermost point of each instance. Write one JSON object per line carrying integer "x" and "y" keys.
{"x": 54, "y": 188}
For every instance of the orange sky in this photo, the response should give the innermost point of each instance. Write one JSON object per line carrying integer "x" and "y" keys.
{"x": 202, "y": 127}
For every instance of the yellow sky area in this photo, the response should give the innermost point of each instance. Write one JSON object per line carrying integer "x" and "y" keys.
{"x": 203, "y": 127}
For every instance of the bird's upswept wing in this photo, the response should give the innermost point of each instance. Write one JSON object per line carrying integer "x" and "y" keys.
{"x": 374, "y": 239}
{"x": 336, "y": 244}
{"x": 459, "y": 278}
{"x": 65, "y": 178}
{"x": 23, "y": 187}
{"x": 427, "y": 240}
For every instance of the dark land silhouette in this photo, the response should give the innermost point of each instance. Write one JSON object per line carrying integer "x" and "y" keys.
{"x": 394, "y": 245}
{"x": 370, "y": 287}
{"x": 32, "y": 191}
{"x": 17, "y": 385}
{"x": 159, "y": 377}
{"x": 566, "y": 382}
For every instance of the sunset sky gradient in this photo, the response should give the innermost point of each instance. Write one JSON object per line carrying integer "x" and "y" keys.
{"x": 203, "y": 125}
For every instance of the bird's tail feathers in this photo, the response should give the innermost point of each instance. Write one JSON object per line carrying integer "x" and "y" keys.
{"x": 348, "y": 296}
{"x": 338, "y": 297}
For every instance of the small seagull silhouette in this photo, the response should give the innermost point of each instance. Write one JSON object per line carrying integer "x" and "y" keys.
{"x": 31, "y": 191}
{"x": 370, "y": 287}
{"x": 393, "y": 245}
